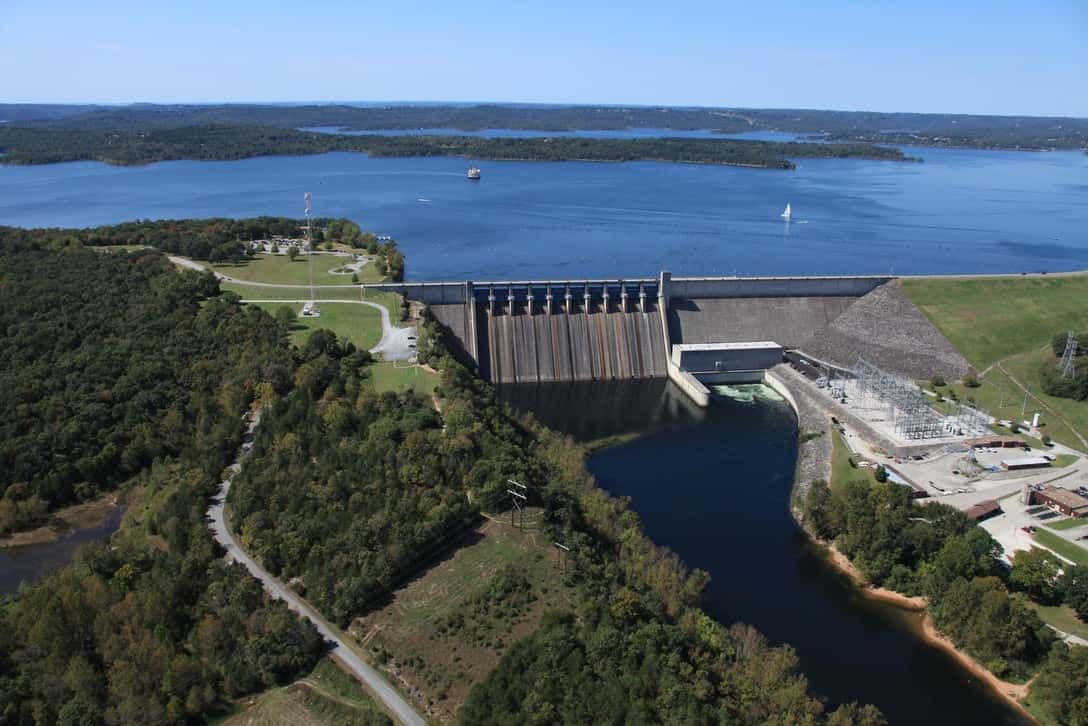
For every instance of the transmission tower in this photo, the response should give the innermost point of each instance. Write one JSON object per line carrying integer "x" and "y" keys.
{"x": 1069, "y": 355}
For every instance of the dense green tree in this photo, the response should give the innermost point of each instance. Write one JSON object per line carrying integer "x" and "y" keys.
{"x": 1062, "y": 685}
{"x": 1073, "y": 586}
{"x": 1035, "y": 571}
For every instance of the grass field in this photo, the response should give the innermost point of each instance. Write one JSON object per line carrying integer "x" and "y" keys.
{"x": 1065, "y": 548}
{"x": 1061, "y": 617}
{"x": 326, "y": 697}
{"x": 1010, "y": 319}
{"x": 1067, "y": 524}
{"x": 279, "y": 269}
{"x": 394, "y": 377}
{"x": 990, "y": 318}
{"x": 390, "y": 300}
{"x": 841, "y": 471}
{"x": 360, "y": 324}
{"x": 446, "y": 629}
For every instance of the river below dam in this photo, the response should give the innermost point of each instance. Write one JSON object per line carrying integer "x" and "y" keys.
{"x": 714, "y": 486}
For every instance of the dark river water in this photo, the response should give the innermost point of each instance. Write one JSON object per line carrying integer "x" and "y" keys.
{"x": 30, "y": 562}
{"x": 714, "y": 486}
{"x": 959, "y": 211}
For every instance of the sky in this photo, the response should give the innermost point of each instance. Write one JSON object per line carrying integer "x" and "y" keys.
{"x": 955, "y": 56}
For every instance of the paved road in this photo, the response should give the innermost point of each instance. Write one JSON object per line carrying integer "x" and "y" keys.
{"x": 394, "y": 344}
{"x": 400, "y": 708}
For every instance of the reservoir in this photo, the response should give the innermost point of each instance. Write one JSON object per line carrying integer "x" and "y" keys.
{"x": 714, "y": 486}
{"x": 957, "y": 212}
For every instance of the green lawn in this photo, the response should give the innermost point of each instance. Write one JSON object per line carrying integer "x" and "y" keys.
{"x": 1011, "y": 318}
{"x": 1062, "y": 617}
{"x": 990, "y": 318}
{"x": 841, "y": 471}
{"x": 1063, "y": 460}
{"x": 396, "y": 376}
{"x": 1025, "y": 368}
{"x": 279, "y": 269}
{"x": 1065, "y": 548}
{"x": 391, "y": 300}
{"x": 360, "y": 324}
{"x": 1067, "y": 524}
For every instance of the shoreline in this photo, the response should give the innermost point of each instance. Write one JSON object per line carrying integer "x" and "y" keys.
{"x": 86, "y": 515}
{"x": 1011, "y": 693}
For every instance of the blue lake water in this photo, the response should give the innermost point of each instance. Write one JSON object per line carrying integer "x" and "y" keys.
{"x": 960, "y": 211}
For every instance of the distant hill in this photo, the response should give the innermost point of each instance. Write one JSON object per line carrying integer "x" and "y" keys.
{"x": 959, "y": 130}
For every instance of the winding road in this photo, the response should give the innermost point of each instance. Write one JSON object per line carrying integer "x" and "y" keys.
{"x": 395, "y": 343}
{"x": 401, "y": 709}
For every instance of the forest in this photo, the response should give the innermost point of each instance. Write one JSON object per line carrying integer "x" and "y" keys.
{"x": 109, "y": 363}
{"x": 964, "y": 130}
{"x": 121, "y": 371}
{"x": 937, "y": 551}
{"x": 47, "y": 145}
{"x": 214, "y": 239}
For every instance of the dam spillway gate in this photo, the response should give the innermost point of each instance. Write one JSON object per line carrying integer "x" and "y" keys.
{"x": 592, "y": 330}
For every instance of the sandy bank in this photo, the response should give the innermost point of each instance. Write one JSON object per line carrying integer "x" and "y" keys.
{"x": 1013, "y": 693}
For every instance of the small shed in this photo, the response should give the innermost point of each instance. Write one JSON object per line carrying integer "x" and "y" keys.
{"x": 983, "y": 510}
{"x": 1025, "y": 462}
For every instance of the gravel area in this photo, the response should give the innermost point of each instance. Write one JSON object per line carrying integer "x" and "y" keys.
{"x": 813, "y": 455}
{"x": 887, "y": 329}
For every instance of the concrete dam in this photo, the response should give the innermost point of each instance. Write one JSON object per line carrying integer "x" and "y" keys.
{"x": 536, "y": 333}
{"x": 690, "y": 329}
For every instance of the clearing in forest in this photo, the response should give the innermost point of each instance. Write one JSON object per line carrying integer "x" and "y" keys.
{"x": 448, "y": 627}
{"x": 326, "y": 697}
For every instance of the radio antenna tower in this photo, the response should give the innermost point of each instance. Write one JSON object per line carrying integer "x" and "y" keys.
{"x": 1067, "y": 366}
{"x": 312, "y": 306}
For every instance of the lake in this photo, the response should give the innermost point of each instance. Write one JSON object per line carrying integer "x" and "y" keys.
{"x": 958, "y": 212}
{"x": 30, "y": 562}
{"x": 714, "y": 486}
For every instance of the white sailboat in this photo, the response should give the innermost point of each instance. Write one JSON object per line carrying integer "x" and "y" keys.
{"x": 787, "y": 214}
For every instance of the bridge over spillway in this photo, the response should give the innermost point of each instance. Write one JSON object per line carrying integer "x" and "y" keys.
{"x": 519, "y": 331}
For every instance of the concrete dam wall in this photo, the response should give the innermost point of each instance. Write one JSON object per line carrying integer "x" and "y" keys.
{"x": 584, "y": 330}
{"x": 583, "y": 341}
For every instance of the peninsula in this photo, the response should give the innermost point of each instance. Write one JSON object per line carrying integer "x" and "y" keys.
{"x": 218, "y": 142}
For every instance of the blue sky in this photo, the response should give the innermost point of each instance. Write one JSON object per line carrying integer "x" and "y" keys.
{"x": 971, "y": 56}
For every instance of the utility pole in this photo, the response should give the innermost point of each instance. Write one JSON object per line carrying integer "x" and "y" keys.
{"x": 310, "y": 254}
{"x": 518, "y": 496}
{"x": 561, "y": 550}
